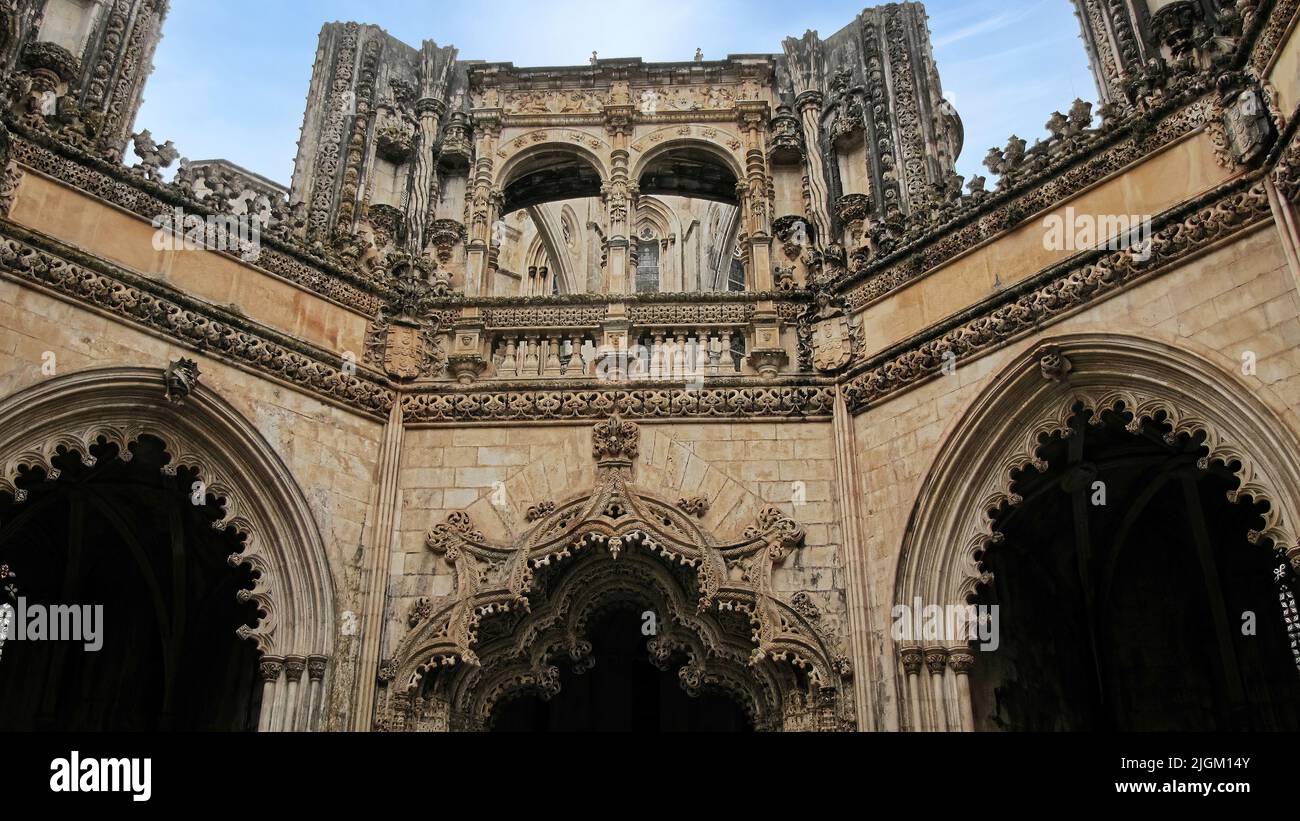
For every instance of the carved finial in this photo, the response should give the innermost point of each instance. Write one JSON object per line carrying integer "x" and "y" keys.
{"x": 615, "y": 439}
{"x": 699, "y": 55}
{"x": 181, "y": 377}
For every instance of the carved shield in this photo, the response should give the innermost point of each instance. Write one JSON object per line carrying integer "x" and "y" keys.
{"x": 405, "y": 351}
{"x": 832, "y": 343}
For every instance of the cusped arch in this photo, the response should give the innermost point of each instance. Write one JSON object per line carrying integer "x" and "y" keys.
{"x": 293, "y": 591}
{"x": 1036, "y": 396}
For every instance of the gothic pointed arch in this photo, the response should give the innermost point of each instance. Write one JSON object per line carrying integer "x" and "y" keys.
{"x": 260, "y": 499}
{"x": 1045, "y": 395}
{"x": 1037, "y": 395}
{"x": 554, "y": 249}
{"x": 519, "y": 607}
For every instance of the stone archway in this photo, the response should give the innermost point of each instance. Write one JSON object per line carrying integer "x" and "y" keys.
{"x": 260, "y": 503}
{"x": 1000, "y": 436}
{"x": 520, "y": 608}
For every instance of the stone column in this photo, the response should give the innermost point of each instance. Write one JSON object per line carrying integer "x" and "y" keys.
{"x": 912, "y": 658}
{"x": 1287, "y": 218}
{"x": 855, "y": 571}
{"x": 936, "y": 661}
{"x": 619, "y": 194}
{"x": 294, "y": 667}
{"x": 424, "y": 186}
{"x": 483, "y": 204}
{"x": 819, "y": 211}
{"x": 758, "y": 226}
{"x": 961, "y": 660}
{"x": 269, "y": 671}
{"x": 316, "y": 666}
{"x": 378, "y": 558}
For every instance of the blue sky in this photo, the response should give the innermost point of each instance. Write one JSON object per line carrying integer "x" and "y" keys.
{"x": 231, "y": 75}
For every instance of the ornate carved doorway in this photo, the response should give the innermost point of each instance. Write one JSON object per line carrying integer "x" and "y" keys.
{"x": 1130, "y": 508}
{"x": 619, "y": 582}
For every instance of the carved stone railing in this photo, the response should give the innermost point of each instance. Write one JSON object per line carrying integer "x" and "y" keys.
{"x": 541, "y": 354}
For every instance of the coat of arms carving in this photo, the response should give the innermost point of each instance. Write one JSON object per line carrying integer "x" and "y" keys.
{"x": 832, "y": 335}
{"x": 404, "y": 354}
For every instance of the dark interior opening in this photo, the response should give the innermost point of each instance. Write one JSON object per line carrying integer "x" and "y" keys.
{"x": 624, "y": 692}
{"x": 690, "y": 172}
{"x": 122, "y": 535}
{"x": 550, "y": 177}
{"x": 1135, "y": 614}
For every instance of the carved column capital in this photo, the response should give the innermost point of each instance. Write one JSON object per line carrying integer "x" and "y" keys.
{"x": 809, "y": 99}
{"x": 911, "y": 658}
{"x": 936, "y": 658}
{"x": 961, "y": 660}
{"x": 270, "y": 668}
{"x": 316, "y": 667}
{"x": 294, "y": 667}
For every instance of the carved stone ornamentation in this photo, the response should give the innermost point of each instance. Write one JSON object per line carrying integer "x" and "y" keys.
{"x": 1248, "y": 126}
{"x": 911, "y": 658}
{"x": 405, "y": 337}
{"x": 539, "y": 589}
{"x": 832, "y": 334}
{"x": 615, "y": 440}
{"x": 10, "y": 179}
{"x": 1054, "y": 366}
{"x": 936, "y": 658}
{"x": 181, "y": 378}
{"x": 539, "y": 510}
{"x": 696, "y": 506}
{"x": 961, "y": 661}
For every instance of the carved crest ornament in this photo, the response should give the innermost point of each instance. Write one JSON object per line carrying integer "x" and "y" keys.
{"x": 832, "y": 333}
{"x": 519, "y": 608}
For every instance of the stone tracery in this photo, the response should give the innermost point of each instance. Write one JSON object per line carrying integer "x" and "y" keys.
{"x": 516, "y": 606}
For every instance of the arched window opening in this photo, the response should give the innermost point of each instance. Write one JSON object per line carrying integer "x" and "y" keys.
{"x": 647, "y": 265}
{"x": 1129, "y": 596}
{"x": 119, "y": 549}
{"x": 736, "y": 280}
